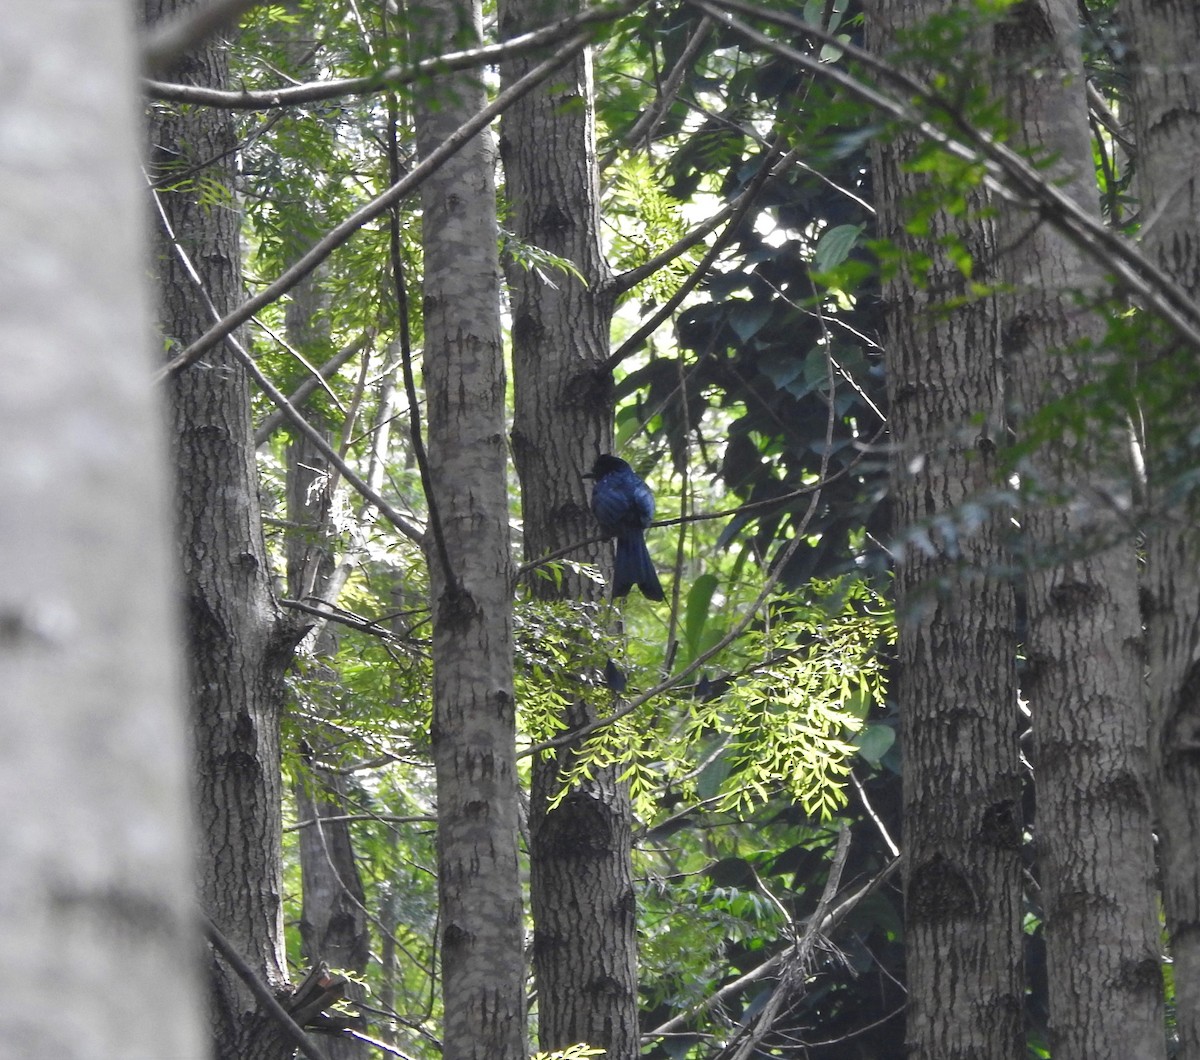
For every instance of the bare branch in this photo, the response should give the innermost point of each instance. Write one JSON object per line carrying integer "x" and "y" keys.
{"x": 733, "y": 215}
{"x": 333, "y": 613}
{"x": 339, "y": 234}
{"x": 825, "y": 924}
{"x": 796, "y": 962}
{"x": 322, "y": 446}
{"x": 649, "y": 121}
{"x": 392, "y": 77}
{"x": 301, "y": 394}
{"x": 285, "y": 406}
{"x": 262, "y": 993}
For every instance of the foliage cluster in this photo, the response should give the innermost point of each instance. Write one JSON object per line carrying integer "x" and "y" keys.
{"x": 765, "y": 403}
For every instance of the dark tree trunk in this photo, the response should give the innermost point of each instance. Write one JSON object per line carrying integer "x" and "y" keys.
{"x": 238, "y": 644}
{"x": 1084, "y": 652}
{"x": 1167, "y": 121}
{"x": 956, "y": 677}
{"x": 581, "y": 875}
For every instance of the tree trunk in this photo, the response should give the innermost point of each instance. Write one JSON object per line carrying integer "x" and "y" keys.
{"x": 1167, "y": 122}
{"x": 581, "y": 874}
{"x": 333, "y": 919}
{"x": 470, "y": 574}
{"x": 97, "y": 925}
{"x": 956, "y": 679}
{"x": 1084, "y": 649}
{"x": 238, "y": 645}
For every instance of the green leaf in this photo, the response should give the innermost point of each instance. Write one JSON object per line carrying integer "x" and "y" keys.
{"x": 747, "y": 318}
{"x": 699, "y": 599}
{"x": 781, "y": 367}
{"x": 713, "y": 776}
{"x": 874, "y": 742}
{"x": 835, "y": 245}
{"x": 858, "y": 703}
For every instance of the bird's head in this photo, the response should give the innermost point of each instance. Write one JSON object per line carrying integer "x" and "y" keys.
{"x": 606, "y": 464}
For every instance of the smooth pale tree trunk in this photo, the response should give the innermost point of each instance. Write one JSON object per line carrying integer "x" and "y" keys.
{"x": 956, "y": 677}
{"x": 581, "y": 875}
{"x": 470, "y": 572}
{"x": 1084, "y": 651}
{"x": 1166, "y": 85}
{"x": 98, "y": 934}
{"x": 238, "y": 643}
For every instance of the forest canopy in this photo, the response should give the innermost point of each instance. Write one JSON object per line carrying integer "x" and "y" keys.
{"x": 887, "y": 310}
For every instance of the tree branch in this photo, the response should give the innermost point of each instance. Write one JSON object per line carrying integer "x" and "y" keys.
{"x": 734, "y": 216}
{"x": 281, "y": 402}
{"x": 1006, "y": 172}
{"x": 796, "y": 962}
{"x": 322, "y": 446}
{"x": 294, "y": 1032}
{"x": 340, "y": 233}
{"x": 651, "y": 118}
{"x": 573, "y": 736}
{"x": 825, "y": 925}
{"x": 394, "y": 76}
{"x": 416, "y": 434}
{"x": 301, "y": 394}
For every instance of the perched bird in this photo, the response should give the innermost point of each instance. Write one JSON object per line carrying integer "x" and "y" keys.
{"x": 624, "y": 506}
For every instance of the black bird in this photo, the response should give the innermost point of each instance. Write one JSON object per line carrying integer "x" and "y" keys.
{"x": 624, "y": 507}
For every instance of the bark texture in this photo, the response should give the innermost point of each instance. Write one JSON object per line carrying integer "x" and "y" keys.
{"x": 238, "y": 644}
{"x": 333, "y": 919}
{"x": 956, "y": 679}
{"x": 1085, "y": 655}
{"x": 470, "y": 574}
{"x": 581, "y": 874}
{"x": 97, "y": 926}
{"x": 1166, "y": 86}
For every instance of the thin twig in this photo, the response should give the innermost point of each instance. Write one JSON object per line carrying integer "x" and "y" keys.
{"x": 322, "y": 446}
{"x": 384, "y": 818}
{"x": 340, "y": 615}
{"x": 827, "y": 924}
{"x": 739, "y": 209}
{"x": 277, "y": 397}
{"x": 301, "y": 394}
{"x": 797, "y": 961}
{"x": 652, "y": 117}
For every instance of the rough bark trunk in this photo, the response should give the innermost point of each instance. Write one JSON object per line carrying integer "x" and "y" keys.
{"x": 97, "y": 926}
{"x": 238, "y": 644}
{"x": 1085, "y": 655}
{"x": 956, "y": 679}
{"x": 581, "y": 875}
{"x": 333, "y": 918}
{"x": 1167, "y": 121}
{"x": 470, "y": 574}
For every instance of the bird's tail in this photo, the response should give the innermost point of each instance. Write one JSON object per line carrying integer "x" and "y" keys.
{"x": 635, "y": 567}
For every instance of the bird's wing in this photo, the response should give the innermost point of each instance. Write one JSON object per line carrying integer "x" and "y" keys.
{"x": 609, "y": 504}
{"x": 643, "y": 501}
